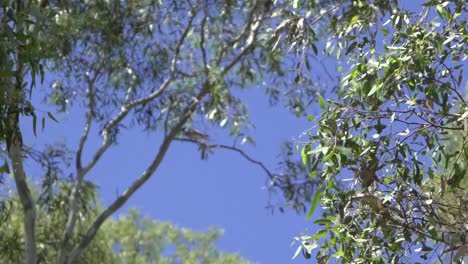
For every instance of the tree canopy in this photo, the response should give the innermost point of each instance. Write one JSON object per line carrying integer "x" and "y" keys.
{"x": 170, "y": 67}
{"x": 389, "y": 150}
{"x": 129, "y": 239}
{"x": 385, "y": 158}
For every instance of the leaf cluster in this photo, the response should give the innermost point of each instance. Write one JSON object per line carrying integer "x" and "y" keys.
{"x": 381, "y": 150}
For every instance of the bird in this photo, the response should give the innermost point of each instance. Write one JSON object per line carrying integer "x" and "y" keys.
{"x": 195, "y": 134}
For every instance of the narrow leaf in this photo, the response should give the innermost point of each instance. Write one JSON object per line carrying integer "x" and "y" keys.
{"x": 319, "y": 234}
{"x": 52, "y": 117}
{"x": 34, "y": 124}
{"x": 305, "y": 154}
{"x": 322, "y": 221}
{"x": 321, "y": 149}
{"x": 297, "y": 252}
{"x": 321, "y": 102}
{"x": 374, "y": 90}
{"x": 344, "y": 151}
{"x": 315, "y": 202}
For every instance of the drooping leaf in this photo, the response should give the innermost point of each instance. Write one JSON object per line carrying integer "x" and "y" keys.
{"x": 314, "y": 204}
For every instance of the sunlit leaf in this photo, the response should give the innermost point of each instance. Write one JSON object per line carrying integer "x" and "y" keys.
{"x": 315, "y": 202}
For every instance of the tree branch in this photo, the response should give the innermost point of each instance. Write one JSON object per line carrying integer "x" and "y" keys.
{"x": 73, "y": 202}
{"x": 126, "y": 108}
{"x": 186, "y": 115}
{"x": 202, "y": 38}
{"x": 122, "y": 199}
{"x": 232, "y": 148}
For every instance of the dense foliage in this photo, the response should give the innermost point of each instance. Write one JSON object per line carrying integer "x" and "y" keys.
{"x": 389, "y": 150}
{"x": 129, "y": 239}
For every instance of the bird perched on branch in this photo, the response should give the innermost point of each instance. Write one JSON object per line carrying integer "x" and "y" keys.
{"x": 195, "y": 134}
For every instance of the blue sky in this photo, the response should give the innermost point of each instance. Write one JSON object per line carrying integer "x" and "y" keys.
{"x": 226, "y": 191}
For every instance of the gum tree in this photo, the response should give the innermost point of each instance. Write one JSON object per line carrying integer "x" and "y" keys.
{"x": 129, "y": 239}
{"x": 389, "y": 150}
{"x": 167, "y": 67}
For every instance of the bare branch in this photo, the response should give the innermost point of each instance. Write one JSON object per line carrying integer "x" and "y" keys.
{"x": 254, "y": 24}
{"x": 89, "y": 119}
{"x": 232, "y": 148}
{"x": 173, "y": 68}
{"x": 122, "y": 199}
{"x": 202, "y": 38}
{"x": 127, "y": 107}
{"x": 73, "y": 202}
{"x": 166, "y": 119}
{"x": 128, "y": 95}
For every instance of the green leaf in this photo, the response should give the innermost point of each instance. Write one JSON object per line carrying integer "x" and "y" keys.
{"x": 322, "y": 221}
{"x": 324, "y": 150}
{"x": 51, "y": 116}
{"x": 321, "y": 102}
{"x": 34, "y": 124}
{"x": 417, "y": 178}
{"x": 312, "y": 174}
{"x": 360, "y": 240}
{"x": 315, "y": 202}
{"x": 354, "y": 20}
{"x": 374, "y": 89}
{"x": 305, "y": 154}
{"x": 223, "y": 122}
{"x": 248, "y": 139}
{"x": 344, "y": 151}
{"x": 5, "y": 168}
{"x": 307, "y": 63}
{"x": 340, "y": 253}
{"x": 319, "y": 234}
{"x": 328, "y": 156}
{"x": 314, "y": 48}
{"x": 443, "y": 13}
{"x": 297, "y": 79}
{"x": 297, "y": 4}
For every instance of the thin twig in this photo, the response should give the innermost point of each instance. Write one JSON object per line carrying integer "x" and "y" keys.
{"x": 202, "y": 38}
{"x": 126, "y": 108}
{"x": 232, "y": 148}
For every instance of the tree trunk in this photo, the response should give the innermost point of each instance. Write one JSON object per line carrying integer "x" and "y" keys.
{"x": 16, "y": 157}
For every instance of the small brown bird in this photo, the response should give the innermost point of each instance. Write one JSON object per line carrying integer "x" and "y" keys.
{"x": 195, "y": 134}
